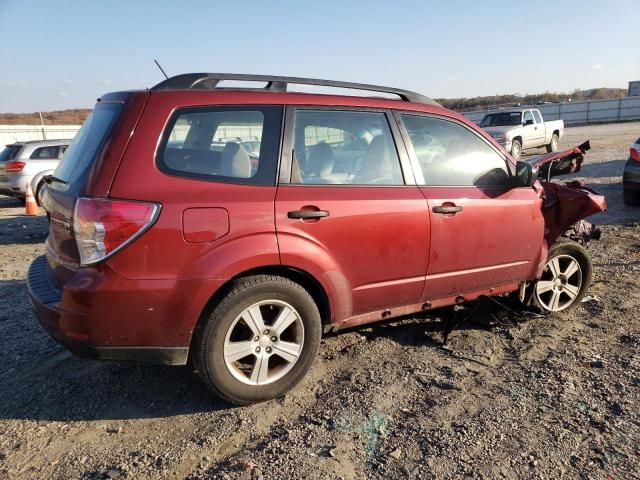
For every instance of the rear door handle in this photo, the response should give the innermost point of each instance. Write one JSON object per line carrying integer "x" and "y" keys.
{"x": 304, "y": 214}
{"x": 446, "y": 209}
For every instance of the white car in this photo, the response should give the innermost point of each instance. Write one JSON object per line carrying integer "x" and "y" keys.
{"x": 29, "y": 162}
{"x": 519, "y": 129}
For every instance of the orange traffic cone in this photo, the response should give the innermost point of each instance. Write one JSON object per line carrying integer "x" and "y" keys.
{"x": 30, "y": 202}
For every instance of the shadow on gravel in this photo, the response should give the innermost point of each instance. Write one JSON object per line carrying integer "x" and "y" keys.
{"x": 40, "y": 380}
{"x": 23, "y": 230}
{"x": 427, "y": 329}
{"x": 61, "y": 387}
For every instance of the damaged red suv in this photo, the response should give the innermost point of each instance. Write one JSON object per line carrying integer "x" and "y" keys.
{"x": 233, "y": 226}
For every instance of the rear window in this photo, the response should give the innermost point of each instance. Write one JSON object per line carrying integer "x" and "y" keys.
{"x": 233, "y": 144}
{"x": 45, "y": 153}
{"x": 9, "y": 153}
{"x": 84, "y": 148}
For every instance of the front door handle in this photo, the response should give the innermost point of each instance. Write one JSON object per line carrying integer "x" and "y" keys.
{"x": 446, "y": 209}
{"x": 305, "y": 214}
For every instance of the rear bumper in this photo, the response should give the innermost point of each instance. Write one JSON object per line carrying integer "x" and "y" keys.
{"x": 18, "y": 183}
{"x": 631, "y": 175}
{"x": 97, "y": 315}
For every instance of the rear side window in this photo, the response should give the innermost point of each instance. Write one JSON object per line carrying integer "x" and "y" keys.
{"x": 233, "y": 144}
{"x": 84, "y": 148}
{"x": 451, "y": 155}
{"x": 45, "y": 153}
{"x": 344, "y": 148}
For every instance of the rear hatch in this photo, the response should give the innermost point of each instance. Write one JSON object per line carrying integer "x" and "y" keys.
{"x": 87, "y": 169}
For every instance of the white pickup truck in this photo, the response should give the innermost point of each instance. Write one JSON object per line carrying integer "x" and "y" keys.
{"x": 518, "y": 129}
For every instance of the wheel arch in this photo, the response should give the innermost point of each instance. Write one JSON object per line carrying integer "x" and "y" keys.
{"x": 301, "y": 277}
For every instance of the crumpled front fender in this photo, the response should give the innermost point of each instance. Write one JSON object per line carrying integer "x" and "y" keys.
{"x": 564, "y": 205}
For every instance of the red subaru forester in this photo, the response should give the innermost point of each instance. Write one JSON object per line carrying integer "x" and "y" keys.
{"x": 234, "y": 226}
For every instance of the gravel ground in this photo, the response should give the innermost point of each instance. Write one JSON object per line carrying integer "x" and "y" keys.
{"x": 509, "y": 397}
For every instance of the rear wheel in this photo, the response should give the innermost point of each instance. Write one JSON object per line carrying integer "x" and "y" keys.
{"x": 516, "y": 149}
{"x": 631, "y": 197}
{"x": 553, "y": 145}
{"x": 565, "y": 279}
{"x": 36, "y": 194}
{"x": 259, "y": 341}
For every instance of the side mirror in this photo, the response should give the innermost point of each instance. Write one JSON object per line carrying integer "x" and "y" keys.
{"x": 526, "y": 175}
{"x": 528, "y": 122}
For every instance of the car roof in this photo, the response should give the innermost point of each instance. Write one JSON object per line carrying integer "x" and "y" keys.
{"x": 515, "y": 109}
{"x": 40, "y": 143}
{"x": 272, "y": 83}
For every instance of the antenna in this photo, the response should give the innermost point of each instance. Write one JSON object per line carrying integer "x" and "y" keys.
{"x": 161, "y": 69}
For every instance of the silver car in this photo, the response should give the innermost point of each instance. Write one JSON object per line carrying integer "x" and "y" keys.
{"x": 28, "y": 162}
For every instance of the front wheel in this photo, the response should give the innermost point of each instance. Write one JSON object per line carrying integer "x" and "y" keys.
{"x": 516, "y": 149}
{"x": 553, "y": 145}
{"x": 259, "y": 341}
{"x": 565, "y": 279}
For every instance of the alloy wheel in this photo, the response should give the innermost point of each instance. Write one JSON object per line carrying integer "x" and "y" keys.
{"x": 264, "y": 342}
{"x": 560, "y": 283}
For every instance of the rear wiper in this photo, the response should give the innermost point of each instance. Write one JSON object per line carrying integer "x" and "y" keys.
{"x": 51, "y": 178}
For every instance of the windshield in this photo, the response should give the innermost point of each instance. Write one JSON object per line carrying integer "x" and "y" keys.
{"x": 84, "y": 148}
{"x": 9, "y": 153}
{"x": 503, "y": 119}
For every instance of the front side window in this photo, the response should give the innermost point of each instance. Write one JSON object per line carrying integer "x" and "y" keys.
{"x": 344, "y": 148}
{"x": 235, "y": 144}
{"x": 45, "y": 153}
{"x": 451, "y": 155}
{"x": 527, "y": 117}
{"x": 537, "y": 116}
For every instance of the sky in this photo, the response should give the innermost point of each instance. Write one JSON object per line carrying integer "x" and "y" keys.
{"x": 57, "y": 54}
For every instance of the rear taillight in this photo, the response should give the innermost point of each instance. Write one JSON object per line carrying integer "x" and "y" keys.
{"x": 13, "y": 167}
{"x": 634, "y": 154}
{"x": 104, "y": 226}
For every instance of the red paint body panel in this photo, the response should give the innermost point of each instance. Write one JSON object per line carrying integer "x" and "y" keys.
{"x": 380, "y": 252}
{"x": 476, "y": 247}
{"x": 372, "y": 249}
{"x": 97, "y": 308}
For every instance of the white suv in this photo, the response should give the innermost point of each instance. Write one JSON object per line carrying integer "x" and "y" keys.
{"x": 24, "y": 162}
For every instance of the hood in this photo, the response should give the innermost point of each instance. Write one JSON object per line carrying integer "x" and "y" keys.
{"x": 560, "y": 163}
{"x": 495, "y": 130}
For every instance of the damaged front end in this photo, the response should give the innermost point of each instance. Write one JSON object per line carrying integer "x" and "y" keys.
{"x": 566, "y": 205}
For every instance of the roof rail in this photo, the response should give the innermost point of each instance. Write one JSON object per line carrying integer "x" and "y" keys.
{"x": 210, "y": 81}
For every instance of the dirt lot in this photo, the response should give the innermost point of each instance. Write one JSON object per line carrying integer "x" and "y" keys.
{"x": 554, "y": 397}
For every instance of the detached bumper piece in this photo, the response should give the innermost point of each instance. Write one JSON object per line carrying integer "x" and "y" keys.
{"x": 46, "y": 300}
{"x": 583, "y": 232}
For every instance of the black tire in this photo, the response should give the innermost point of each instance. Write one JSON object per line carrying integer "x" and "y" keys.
{"x": 37, "y": 193}
{"x": 553, "y": 146}
{"x": 208, "y": 347}
{"x": 631, "y": 197}
{"x": 516, "y": 149}
{"x": 565, "y": 249}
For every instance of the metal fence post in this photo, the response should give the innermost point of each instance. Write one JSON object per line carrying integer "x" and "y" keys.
{"x": 619, "y": 108}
